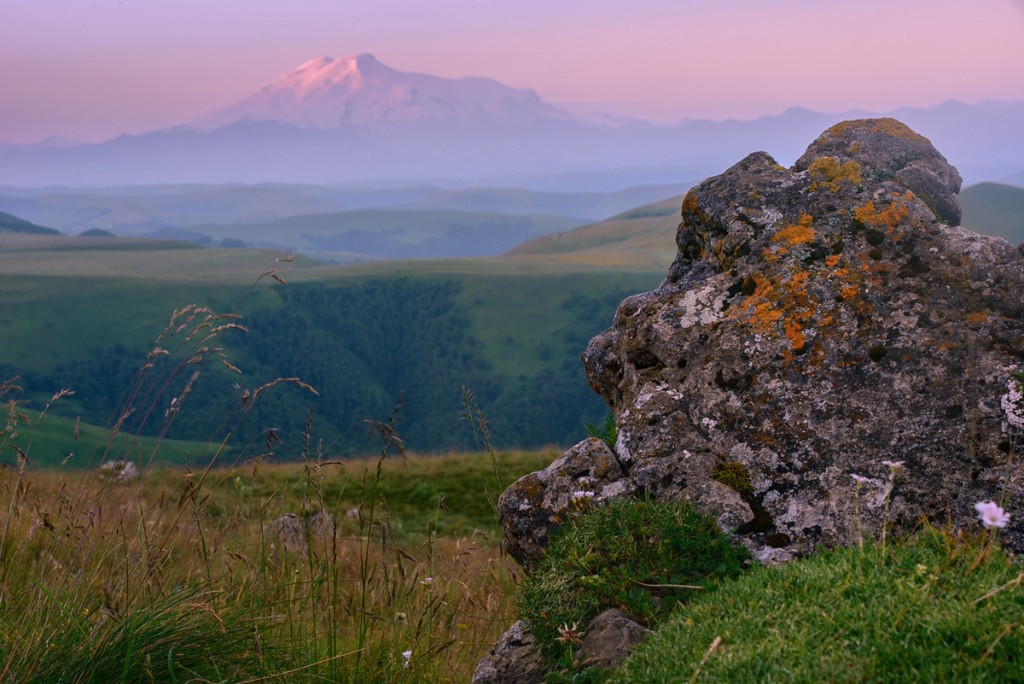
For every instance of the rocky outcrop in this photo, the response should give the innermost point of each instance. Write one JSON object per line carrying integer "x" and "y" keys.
{"x": 818, "y": 322}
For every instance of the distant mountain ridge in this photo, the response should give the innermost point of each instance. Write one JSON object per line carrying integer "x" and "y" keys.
{"x": 358, "y": 120}
{"x": 325, "y": 93}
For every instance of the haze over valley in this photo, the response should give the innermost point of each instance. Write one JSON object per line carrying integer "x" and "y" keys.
{"x": 508, "y": 219}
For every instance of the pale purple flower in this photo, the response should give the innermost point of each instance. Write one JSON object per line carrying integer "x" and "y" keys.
{"x": 992, "y": 514}
{"x": 580, "y": 495}
{"x": 407, "y": 656}
{"x": 860, "y": 479}
{"x": 1013, "y": 404}
{"x": 893, "y": 465}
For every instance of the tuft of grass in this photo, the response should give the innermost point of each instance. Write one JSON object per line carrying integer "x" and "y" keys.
{"x": 608, "y": 432}
{"x": 641, "y": 556}
{"x": 938, "y": 607}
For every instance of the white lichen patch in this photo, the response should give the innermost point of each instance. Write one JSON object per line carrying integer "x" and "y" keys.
{"x": 699, "y": 307}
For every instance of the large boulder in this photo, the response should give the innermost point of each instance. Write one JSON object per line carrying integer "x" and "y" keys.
{"x": 818, "y": 322}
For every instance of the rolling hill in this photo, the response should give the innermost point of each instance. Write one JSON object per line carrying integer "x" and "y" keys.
{"x": 83, "y": 314}
{"x": 12, "y": 224}
{"x": 390, "y": 234}
{"x": 994, "y": 209}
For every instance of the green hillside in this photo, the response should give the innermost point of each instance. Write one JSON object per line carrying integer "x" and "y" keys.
{"x": 12, "y": 224}
{"x": 645, "y": 235}
{"x": 83, "y": 314}
{"x": 994, "y": 209}
{"x": 390, "y": 234}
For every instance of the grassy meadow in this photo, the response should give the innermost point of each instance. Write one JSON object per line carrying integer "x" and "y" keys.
{"x": 228, "y": 573}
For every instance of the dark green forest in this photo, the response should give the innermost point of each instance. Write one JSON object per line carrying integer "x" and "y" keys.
{"x": 411, "y": 349}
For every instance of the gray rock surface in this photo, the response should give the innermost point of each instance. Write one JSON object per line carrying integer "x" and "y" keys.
{"x": 537, "y": 503}
{"x": 609, "y": 638}
{"x": 290, "y": 532}
{"x": 514, "y": 659}
{"x": 816, "y": 322}
{"x": 119, "y": 471}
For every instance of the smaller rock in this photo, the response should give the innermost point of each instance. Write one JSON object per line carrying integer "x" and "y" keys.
{"x": 609, "y": 638}
{"x": 514, "y": 659}
{"x": 537, "y": 504}
{"x": 119, "y": 471}
{"x": 321, "y": 525}
{"x": 291, "y": 531}
{"x": 287, "y": 531}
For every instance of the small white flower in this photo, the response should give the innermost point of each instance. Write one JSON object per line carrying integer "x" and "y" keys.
{"x": 1013, "y": 403}
{"x": 992, "y": 514}
{"x": 427, "y": 580}
{"x": 859, "y": 479}
{"x": 570, "y": 635}
{"x": 580, "y": 495}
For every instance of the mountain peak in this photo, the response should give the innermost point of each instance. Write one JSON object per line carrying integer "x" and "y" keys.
{"x": 359, "y": 90}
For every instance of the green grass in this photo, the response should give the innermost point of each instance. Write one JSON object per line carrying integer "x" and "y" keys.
{"x": 936, "y": 608}
{"x": 180, "y": 576}
{"x": 643, "y": 557}
{"x": 526, "y": 320}
{"x": 321, "y": 233}
{"x": 55, "y": 440}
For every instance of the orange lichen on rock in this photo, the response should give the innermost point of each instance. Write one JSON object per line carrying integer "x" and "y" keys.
{"x": 788, "y": 302}
{"x": 690, "y": 202}
{"x": 795, "y": 333}
{"x": 829, "y": 173}
{"x": 887, "y": 126}
{"x": 796, "y": 234}
{"x": 977, "y": 317}
{"x": 889, "y": 216}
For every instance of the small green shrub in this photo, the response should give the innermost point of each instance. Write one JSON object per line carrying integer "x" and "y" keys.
{"x": 642, "y": 557}
{"x": 607, "y": 432}
{"x": 935, "y": 608}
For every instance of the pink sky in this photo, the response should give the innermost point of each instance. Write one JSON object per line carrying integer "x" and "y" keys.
{"x": 91, "y": 70}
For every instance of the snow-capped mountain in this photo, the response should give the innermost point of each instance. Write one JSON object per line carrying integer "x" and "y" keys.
{"x": 325, "y": 93}
{"x": 355, "y": 120}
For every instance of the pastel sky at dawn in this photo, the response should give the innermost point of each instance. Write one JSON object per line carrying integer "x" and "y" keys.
{"x": 92, "y": 69}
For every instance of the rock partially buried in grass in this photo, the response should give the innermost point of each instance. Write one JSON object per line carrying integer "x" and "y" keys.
{"x": 537, "y": 504}
{"x": 514, "y": 659}
{"x": 291, "y": 532}
{"x": 119, "y": 471}
{"x": 816, "y": 321}
{"x": 609, "y": 638}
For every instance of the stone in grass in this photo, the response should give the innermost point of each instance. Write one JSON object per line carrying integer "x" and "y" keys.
{"x": 119, "y": 471}
{"x": 608, "y": 639}
{"x": 537, "y": 504}
{"x": 290, "y": 532}
{"x": 514, "y": 659}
